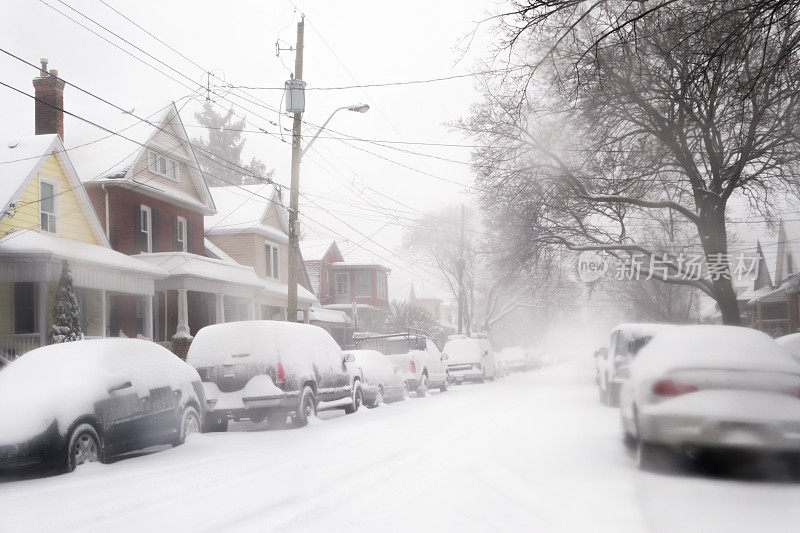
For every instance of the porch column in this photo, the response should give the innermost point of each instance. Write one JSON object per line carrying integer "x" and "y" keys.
{"x": 220, "y": 308}
{"x": 102, "y": 312}
{"x": 43, "y": 312}
{"x": 183, "y": 314}
{"x": 148, "y": 316}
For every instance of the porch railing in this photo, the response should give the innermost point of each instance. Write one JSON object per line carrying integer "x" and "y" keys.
{"x": 775, "y": 327}
{"x": 12, "y": 346}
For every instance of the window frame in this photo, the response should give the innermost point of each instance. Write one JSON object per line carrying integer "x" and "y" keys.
{"x": 272, "y": 259}
{"x": 53, "y": 183}
{"x": 183, "y": 234}
{"x": 368, "y": 294}
{"x": 146, "y": 209}
{"x": 153, "y": 159}
{"x": 346, "y": 277}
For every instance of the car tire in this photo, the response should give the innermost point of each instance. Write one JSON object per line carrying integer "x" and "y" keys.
{"x": 379, "y": 399}
{"x": 406, "y": 391}
{"x": 446, "y": 385}
{"x": 422, "y": 390}
{"x": 306, "y": 407}
{"x": 358, "y": 399}
{"x": 189, "y": 423}
{"x": 214, "y": 424}
{"x": 84, "y": 446}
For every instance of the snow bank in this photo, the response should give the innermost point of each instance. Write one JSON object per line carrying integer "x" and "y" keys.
{"x": 711, "y": 347}
{"x": 514, "y": 354}
{"x": 300, "y": 348}
{"x": 63, "y": 381}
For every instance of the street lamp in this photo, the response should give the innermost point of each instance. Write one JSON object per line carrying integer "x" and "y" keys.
{"x": 297, "y": 155}
{"x": 358, "y": 108}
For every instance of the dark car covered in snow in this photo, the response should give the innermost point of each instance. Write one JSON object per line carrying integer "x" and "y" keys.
{"x": 264, "y": 369}
{"x": 65, "y": 405}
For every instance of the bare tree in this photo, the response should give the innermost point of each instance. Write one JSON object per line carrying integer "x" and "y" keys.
{"x": 637, "y": 113}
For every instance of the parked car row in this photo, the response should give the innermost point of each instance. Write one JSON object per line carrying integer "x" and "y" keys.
{"x": 687, "y": 390}
{"x": 65, "y": 405}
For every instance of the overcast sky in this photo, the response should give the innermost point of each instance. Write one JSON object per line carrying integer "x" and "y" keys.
{"x": 347, "y": 43}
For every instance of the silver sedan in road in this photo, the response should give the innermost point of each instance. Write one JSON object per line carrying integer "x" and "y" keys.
{"x": 694, "y": 388}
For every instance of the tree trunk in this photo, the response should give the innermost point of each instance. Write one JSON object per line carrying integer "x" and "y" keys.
{"x": 714, "y": 237}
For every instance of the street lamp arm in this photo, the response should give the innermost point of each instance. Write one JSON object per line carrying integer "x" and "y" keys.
{"x": 314, "y": 138}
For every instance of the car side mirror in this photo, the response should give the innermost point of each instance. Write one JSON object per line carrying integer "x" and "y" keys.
{"x": 120, "y": 385}
{"x": 445, "y": 357}
{"x": 349, "y": 358}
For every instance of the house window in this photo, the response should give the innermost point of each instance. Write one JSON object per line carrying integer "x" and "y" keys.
{"x": 24, "y": 307}
{"x": 162, "y": 165}
{"x": 47, "y": 205}
{"x": 362, "y": 284}
{"x": 180, "y": 234}
{"x": 273, "y": 259}
{"x": 146, "y": 227}
{"x": 381, "y": 281}
{"x": 343, "y": 283}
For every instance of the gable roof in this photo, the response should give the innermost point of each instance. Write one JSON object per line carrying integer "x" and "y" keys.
{"x": 245, "y": 209}
{"x": 111, "y": 159}
{"x": 20, "y": 160}
{"x": 315, "y": 250}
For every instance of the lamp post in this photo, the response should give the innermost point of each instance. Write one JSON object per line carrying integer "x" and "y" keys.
{"x": 297, "y": 155}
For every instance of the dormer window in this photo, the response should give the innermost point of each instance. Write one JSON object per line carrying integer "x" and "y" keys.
{"x": 273, "y": 259}
{"x": 48, "y": 191}
{"x": 162, "y": 165}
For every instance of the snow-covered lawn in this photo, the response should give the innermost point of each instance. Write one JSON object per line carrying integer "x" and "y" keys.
{"x": 533, "y": 452}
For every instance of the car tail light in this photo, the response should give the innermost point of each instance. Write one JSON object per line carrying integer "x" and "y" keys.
{"x": 670, "y": 387}
{"x": 280, "y": 375}
{"x": 413, "y": 366}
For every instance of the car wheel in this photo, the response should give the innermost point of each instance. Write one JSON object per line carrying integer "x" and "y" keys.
{"x": 84, "y": 447}
{"x": 422, "y": 390}
{"x": 358, "y": 399}
{"x": 214, "y": 424}
{"x": 446, "y": 385}
{"x": 602, "y": 395}
{"x": 406, "y": 393}
{"x": 306, "y": 408}
{"x": 379, "y": 399}
{"x": 190, "y": 423}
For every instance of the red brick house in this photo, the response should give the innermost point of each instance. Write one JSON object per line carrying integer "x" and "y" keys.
{"x": 151, "y": 198}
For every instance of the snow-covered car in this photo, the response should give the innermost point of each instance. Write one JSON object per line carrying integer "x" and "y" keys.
{"x": 499, "y": 365}
{"x": 68, "y": 404}
{"x": 599, "y": 355}
{"x": 791, "y": 344}
{"x": 469, "y": 359}
{"x": 613, "y": 369}
{"x": 517, "y": 359}
{"x": 414, "y": 353}
{"x": 711, "y": 387}
{"x": 264, "y": 369}
{"x": 382, "y": 380}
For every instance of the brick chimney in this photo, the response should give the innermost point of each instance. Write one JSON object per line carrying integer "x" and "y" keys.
{"x": 49, "y": 102}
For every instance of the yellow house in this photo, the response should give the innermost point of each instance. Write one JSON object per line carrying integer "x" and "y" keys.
{"x": 47, "y": 219}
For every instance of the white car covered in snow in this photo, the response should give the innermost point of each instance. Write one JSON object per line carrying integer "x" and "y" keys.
{"x": 791, "y": 344}
{"x": 382, "y": 380}
{"x": 414, "y": 353}
{"x": 263, "y": 369}
{"x": 613, "y": 365}
{"x": 711, "y": 387}
{"x": 68, "y": 404}
{"x": 469, "y": 359}
{"x": 517, "y": 359}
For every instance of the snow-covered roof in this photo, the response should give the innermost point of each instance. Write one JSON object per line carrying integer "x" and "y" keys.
{"x": 245, "y": 208}
{"x": 112, "y": 157}
{"x": 186, "y": 264}
{"x": 34, "y": 244}
{"x": 330, "y": 316}
{"x": 216, "y": 251}
{"x": 347, "y": 264}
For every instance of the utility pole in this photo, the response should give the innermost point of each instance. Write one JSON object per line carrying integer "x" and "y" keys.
{"x": 295, "y": 192}
{"x": 460, "y": 273}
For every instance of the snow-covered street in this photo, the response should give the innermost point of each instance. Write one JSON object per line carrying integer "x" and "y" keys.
{"x": 533, "y": 452}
